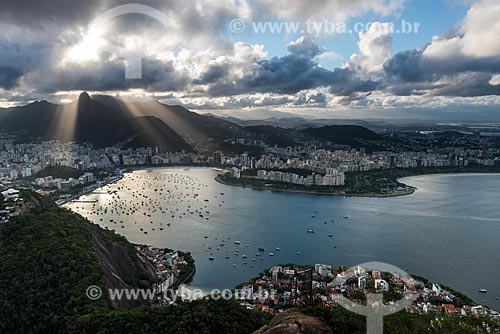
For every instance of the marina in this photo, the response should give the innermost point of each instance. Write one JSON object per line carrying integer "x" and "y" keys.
{"x": 162, "y": 207}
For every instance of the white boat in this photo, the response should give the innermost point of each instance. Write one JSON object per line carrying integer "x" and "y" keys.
{"x": 483, "y": 290}
{"x": 278, "y": 249}
{"x": 271, "y": 254}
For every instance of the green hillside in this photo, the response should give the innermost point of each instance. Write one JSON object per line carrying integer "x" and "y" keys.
{"x": 61, "y": 172}
{"x": 47, "y": 262}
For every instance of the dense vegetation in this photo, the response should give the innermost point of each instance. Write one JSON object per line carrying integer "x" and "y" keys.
{"x": 198, "y": 317}
{"x": 62, "y": 172}
{"x": 47, "y": 262}
{"x": 365, "y": 185}
{"x": 46, "y": 265}
{"x": 342, "y": 321}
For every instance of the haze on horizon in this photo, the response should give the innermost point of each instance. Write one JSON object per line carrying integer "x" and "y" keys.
{"x": 448, "y": 70}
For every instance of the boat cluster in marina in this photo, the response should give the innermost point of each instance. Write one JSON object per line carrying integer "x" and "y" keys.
{"x": 156, "y": 204}
{"x": 164, "y": 199}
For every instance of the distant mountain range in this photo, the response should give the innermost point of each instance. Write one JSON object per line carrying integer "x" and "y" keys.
{"x": 105, "y": 121}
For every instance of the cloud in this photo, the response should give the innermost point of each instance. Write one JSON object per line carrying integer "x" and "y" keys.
{"x": 304, "y": 46}
{"x": 9, "y": 77}
{"x": 481, "y": 30}
{"x": 194, "y": 61}
{"x": 467, "y": 85}
{"x": 462, "y": 62}
{"x": 224, "y": 68}
{"x": 314, "y": 97}
{"x": 375, "y": 49}
{"x": 495, "y": 80}
{"x": 41, "y": 13}
{"x": 214, "y": 73}
{"x": 289, "y": 74}
{"x": 475, "y": 38}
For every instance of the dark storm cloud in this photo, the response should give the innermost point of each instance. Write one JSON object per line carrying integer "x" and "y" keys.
{"x": 107, "y": 76}
{"x": 60, "y": 12}
{"x": 36, "y": 12}
{"x": 413, "y": 66}
{"x": 412, "y": 72}
{"x": 291, "y": 74}
{"x": 17, "y": 59}
{"x": 288, "y": 74}
{"x": 317, "y": 98}
{"x": 469, "y": 85}
{"x": 412, "y": 88}
{"x": 98, "y": 77}
{"x": 308, "y": 98}
{"x": 213, "y": 73}
{"x": 355, "y": 99}
{"x": 406, "y": 66}
{"x": 161, "y": 76}
{"x": 9, "y": 77}
{"x": 353, "y": 85}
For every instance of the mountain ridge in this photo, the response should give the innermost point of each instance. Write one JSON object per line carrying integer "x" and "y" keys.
{"x": 108, "y": 121}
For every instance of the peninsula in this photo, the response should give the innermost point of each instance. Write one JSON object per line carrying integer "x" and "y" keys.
{"x": 375, "y": 183}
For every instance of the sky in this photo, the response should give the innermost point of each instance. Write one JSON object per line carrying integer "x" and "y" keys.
{"x": 317, "y": 58}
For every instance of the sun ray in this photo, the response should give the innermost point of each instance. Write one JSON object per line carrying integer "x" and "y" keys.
{"x": 63, "y": 125}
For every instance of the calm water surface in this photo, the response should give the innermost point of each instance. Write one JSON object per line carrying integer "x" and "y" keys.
{"x": 448, "y": 231}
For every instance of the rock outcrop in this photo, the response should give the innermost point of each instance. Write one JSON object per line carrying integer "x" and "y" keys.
{"x": 294, "y": 322}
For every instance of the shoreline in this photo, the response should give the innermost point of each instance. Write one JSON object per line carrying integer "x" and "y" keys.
{"x": 93, "y": 188}
{"x": 296, "y": 191}
{"x": 311, "y": 192}
{"x": 362, "y": 195}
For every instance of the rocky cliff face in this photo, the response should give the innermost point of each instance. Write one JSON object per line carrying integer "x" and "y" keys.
{"x": 294, "y": 322}
{"x": 120, "y": 270}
